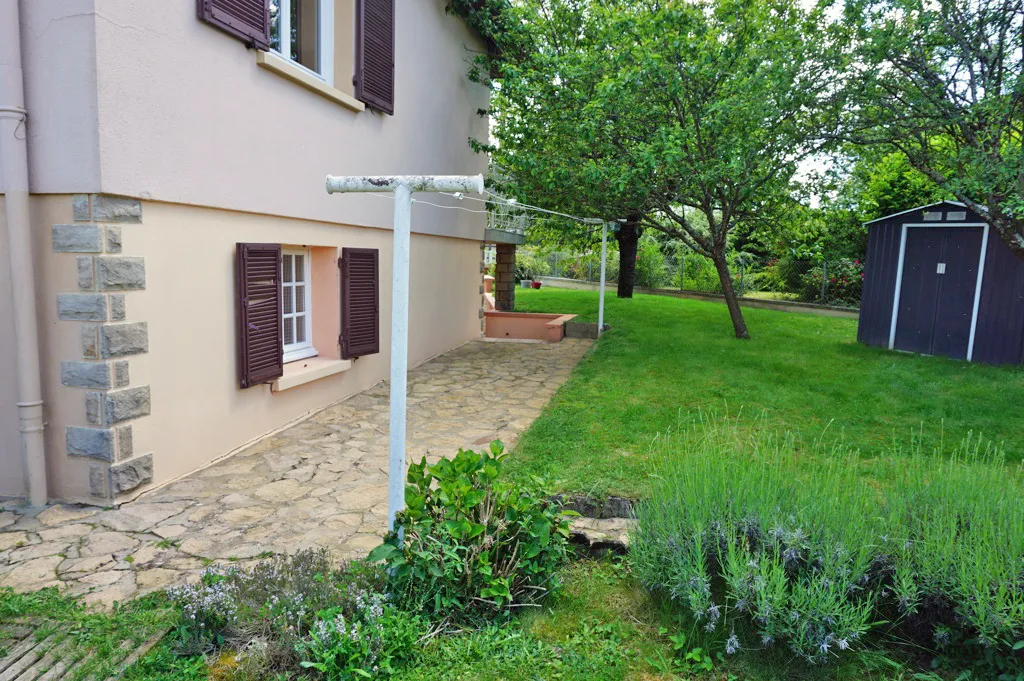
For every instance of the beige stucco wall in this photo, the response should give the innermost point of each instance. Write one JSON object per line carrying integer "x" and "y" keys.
{"x": 58, "y": 44}
{"x": 198, "y": 411}
{"x": 11, "y": 475}
{"x": 143, "y": 100}
{"x": 58, "y": 340}
{"x": 187, "y": 116}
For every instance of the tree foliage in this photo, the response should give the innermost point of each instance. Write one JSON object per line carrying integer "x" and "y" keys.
{"x": 942, "y": 83}
{"x": 647, "y": 110}
{"x": 656, "y": 111}
{"x": 554, "y": 140}
{"x": 730, "y": 95}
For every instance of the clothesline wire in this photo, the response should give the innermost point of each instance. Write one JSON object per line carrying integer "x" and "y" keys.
{"x": 495, "y": 199}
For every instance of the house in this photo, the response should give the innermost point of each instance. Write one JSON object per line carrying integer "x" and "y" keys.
{"x": 939, "y": 281}
{"x": 180, "y": 283}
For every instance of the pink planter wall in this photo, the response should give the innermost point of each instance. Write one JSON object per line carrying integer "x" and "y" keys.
{"x": 525, "y": 325}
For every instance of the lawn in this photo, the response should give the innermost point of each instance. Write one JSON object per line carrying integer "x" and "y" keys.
{"x": 667, "y": 361}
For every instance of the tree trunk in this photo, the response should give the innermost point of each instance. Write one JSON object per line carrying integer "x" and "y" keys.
{"x": 628, "y": 236}
{"x": 739, "y": 325}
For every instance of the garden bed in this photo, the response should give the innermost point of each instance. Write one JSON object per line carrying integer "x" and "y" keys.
{"x": 526, "y": 326}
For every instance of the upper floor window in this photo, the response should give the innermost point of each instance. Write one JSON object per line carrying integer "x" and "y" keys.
{"x": 302, "y": 31}
{"x": 296, "y": 38}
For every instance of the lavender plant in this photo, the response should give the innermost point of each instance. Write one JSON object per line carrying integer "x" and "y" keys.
{"x": 814, "y": 550}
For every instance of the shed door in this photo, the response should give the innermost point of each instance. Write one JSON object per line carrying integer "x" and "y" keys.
{"x": 940, "y": 270}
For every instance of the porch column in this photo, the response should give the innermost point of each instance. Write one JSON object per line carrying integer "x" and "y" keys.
{"x": 504, "y": 277}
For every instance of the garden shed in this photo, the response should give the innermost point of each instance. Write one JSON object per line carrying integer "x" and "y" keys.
{"x": 939, "y": 281}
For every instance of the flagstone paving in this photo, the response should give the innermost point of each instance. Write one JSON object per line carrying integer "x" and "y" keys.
{"x": 320, "y": 483}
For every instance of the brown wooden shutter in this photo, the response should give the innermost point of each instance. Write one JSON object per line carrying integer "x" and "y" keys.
{"x": 360, "y": 302}
{"x": 375, "y": 54}
{"x": 245, "y": 19}
{"x": 260, "y": 347}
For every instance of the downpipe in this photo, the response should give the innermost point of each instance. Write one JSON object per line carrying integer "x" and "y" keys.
{"x": 14, "y": 165}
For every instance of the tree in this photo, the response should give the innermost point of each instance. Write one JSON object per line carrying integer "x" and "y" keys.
{"x": 890, "y": 184}
{"x": 728, "y": 96}
{"x": 556, "y": 149}
{"x": 941, "y": 82}
{"x": 644, "y": 109}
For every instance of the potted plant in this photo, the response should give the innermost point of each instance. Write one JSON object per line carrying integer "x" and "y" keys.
{"x": 536, "y": 284}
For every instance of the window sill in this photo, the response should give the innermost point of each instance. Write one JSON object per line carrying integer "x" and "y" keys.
{"x": 308, "y": 370}
{"x": 283, "y": 67}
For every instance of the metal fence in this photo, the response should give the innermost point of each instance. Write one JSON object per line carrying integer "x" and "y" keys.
{"x": 834, "y": 282}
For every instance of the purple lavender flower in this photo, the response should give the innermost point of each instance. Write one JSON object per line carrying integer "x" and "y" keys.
{"x": 732, "y": 644}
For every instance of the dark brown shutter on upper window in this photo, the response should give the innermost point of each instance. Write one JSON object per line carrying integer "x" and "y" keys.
{"x": 375, "y": 54}
{"x": 360, "y": 313}
{"x": 245, "y": 19}
{"x": 260, "y": 348}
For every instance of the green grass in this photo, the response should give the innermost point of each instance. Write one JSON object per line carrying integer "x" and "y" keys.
{"x": 602, "y": 626}
{"x": 98, "y": 636}
{"x": 667, "y": 360}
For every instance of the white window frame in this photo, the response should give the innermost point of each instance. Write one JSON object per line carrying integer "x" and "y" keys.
{"x": 325, "y": 36}
{"x": 296, "y": 351}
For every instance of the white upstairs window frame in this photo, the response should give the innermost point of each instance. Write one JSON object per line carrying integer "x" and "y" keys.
{"x": 325, "y": 38}
{"x": 299, "y": 302}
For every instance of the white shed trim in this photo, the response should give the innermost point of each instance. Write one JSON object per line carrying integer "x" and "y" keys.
{"x": 977, "y": 285}
{"x": 911, "y": 210}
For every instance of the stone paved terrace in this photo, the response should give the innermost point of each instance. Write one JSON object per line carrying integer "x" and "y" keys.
{"x": 320, "y": 483}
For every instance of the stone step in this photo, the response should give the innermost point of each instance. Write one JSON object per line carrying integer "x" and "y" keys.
{"x": 599, "y": 537}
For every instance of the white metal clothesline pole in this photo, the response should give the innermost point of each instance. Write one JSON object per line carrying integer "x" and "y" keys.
{"x": 403, "y": 187}
{"x": 604, "y": 258}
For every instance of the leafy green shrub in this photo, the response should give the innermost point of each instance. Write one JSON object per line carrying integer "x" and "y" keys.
{"x": 650, "y": 263}
{"x": 784, "y": 275}
{"x": 699, "y": 274}
{"x": 587, "y": 266}
{"x": 844, "y": 284}
{"x": 755, "y": 538}
{"x": 473, "y": 545}
{"x": 530, "y": 265}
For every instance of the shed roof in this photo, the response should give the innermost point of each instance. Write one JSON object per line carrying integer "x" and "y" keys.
{"x": 911, "y": 210}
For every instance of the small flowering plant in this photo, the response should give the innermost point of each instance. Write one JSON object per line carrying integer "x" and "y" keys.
{"x": 208, "y": 608}
{"x": 368, "y": 644}
{"x": 275, "y": 603}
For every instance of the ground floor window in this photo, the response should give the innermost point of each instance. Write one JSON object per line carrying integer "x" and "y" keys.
{"x": 296, "y": 299}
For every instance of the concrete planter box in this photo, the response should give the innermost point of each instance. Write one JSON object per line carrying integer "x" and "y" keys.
{"x": 581, "y": 329}
{"x": 525, "y": 325}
